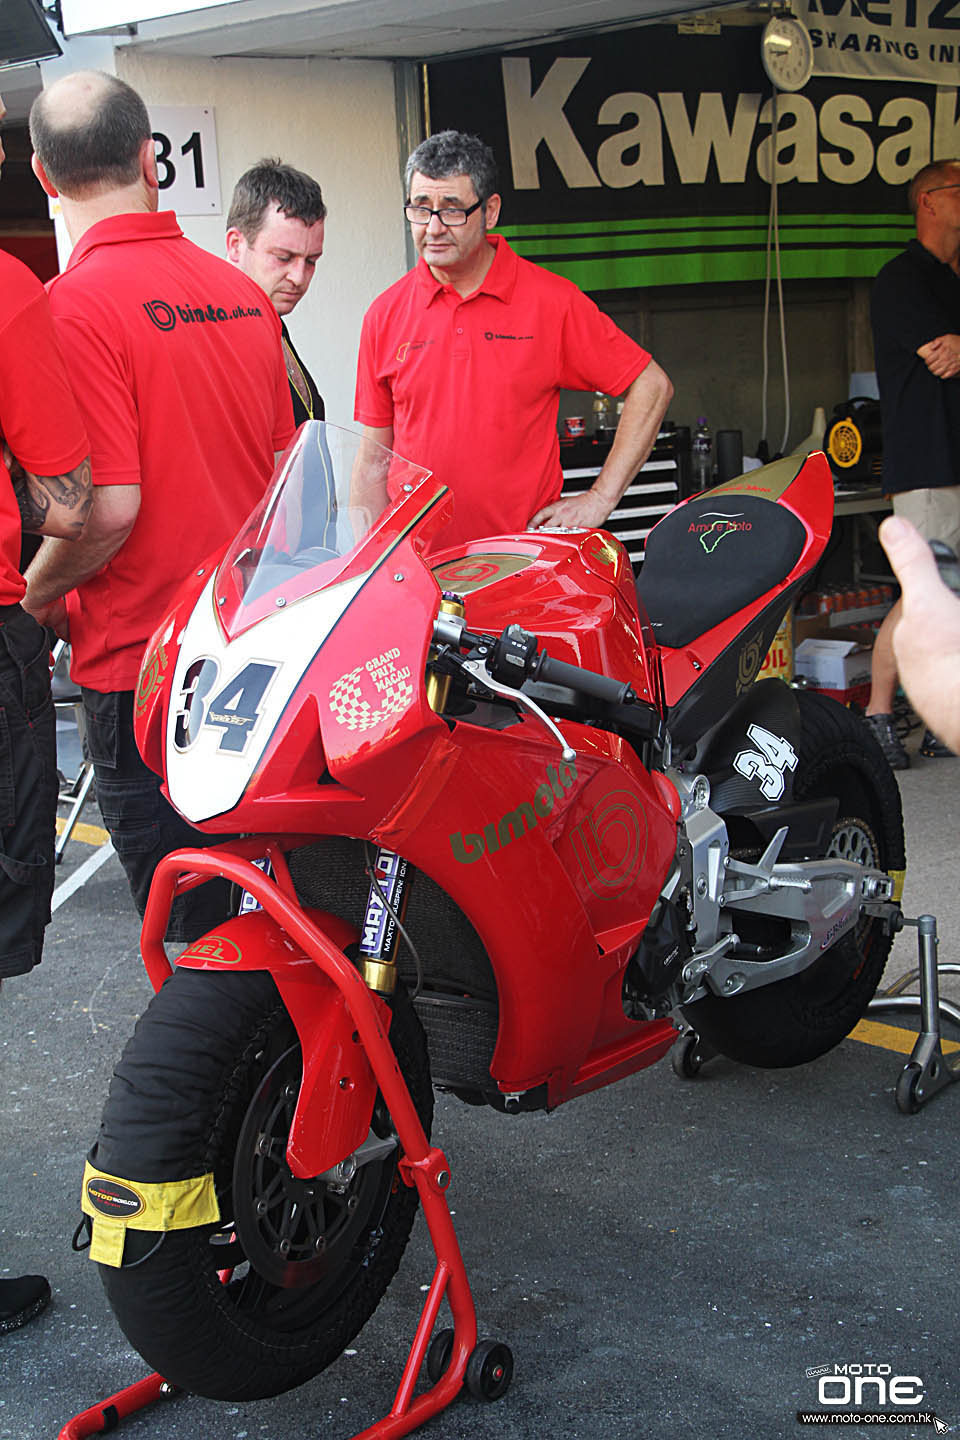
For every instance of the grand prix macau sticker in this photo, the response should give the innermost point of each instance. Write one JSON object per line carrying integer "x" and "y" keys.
{"x": 371, "y": 693}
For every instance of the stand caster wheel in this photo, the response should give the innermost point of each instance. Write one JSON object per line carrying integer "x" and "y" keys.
{"x": 438, "y": 1355}
{"x": 686, "y": 1056}
{"x": 489, "y": 1370}
{"x": 909, "y": 1092}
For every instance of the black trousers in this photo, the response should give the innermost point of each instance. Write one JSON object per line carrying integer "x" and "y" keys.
{"x": 28, "y": 790}
{"x": 143, "y": 825}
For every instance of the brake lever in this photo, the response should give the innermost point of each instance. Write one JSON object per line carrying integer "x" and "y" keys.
{"x": 478, "y": 671}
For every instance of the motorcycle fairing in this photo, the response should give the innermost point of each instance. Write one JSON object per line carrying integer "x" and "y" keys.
{"x": 594, "y": 845}
{"x": 209, "y": 759}
{"x": 214, "y": 755}
{"x": 734, "y": 784}
{"x": 330, "y": 1121}
{"x": 717, "y": 651}
{"x": 575, "y": 591}
{"x": 711, "y": 687}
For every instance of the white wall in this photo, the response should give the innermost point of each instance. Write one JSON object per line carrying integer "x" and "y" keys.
{"x": 335, "y": 119}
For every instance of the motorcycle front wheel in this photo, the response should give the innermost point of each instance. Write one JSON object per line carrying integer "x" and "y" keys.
{"x": 799, "y": 1018}
{"x": 208, "y": 1083}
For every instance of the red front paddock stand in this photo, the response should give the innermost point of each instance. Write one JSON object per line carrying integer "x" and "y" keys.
{"x": 422, "y": 1165}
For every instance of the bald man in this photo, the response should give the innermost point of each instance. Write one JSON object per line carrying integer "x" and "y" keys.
{"x": 176, "y": 360}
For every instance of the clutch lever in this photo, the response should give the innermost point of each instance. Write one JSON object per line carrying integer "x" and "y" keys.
{"x": 476, "y": 668}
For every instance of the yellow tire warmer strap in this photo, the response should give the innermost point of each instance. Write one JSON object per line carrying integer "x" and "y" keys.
{"x": 116, "y": 1206}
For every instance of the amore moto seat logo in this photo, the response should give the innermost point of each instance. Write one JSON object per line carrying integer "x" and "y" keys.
{"x": 711, "y": 531}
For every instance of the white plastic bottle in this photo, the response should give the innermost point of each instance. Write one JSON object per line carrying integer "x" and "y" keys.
{"x": 701, "y": 456}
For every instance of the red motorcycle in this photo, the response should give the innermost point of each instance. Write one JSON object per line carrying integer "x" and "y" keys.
{"x": 502, "y": 823}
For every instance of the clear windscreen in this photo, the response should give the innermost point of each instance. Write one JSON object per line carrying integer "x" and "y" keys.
{"x": 330, "y": 487}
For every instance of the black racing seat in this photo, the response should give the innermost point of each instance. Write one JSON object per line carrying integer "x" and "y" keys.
{"x": 709, "y": 558}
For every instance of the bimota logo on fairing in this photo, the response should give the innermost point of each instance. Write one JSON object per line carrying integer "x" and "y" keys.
{"x": 518, "y": 822}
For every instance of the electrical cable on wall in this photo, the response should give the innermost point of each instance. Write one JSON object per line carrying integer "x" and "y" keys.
{"x": 773, "y": 242}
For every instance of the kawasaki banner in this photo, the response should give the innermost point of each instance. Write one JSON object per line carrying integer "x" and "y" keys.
{"x": 644, "y": 157}
{"x": 885, "y": 39}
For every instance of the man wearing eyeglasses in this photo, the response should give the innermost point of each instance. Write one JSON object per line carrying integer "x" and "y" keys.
{"x": 462, "y": 361}
{"x": 915, "y": 311}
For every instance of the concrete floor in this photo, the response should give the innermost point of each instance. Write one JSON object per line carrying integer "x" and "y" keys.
{"x": 667, "y": 1259}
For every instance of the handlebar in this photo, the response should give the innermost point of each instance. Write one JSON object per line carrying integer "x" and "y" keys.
{"x": 513, "y": 657}
{"x": 588, "y": 682}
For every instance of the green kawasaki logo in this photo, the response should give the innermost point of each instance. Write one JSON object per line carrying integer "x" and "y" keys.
{"x": 516, "y": 823}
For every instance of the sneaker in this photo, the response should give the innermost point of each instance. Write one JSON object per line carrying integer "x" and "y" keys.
{"x": 889, "y": 741}
{"x": 21, "y": 1300}
{"x": 935, "y": 749}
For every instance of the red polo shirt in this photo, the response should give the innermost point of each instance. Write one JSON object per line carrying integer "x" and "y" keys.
{"x": 176, "y": 361}
{"x": 471, "y": 386}
{"x": 39, "y": 419}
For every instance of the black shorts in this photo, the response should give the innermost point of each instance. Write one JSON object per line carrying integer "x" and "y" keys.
{"x": 28, "y": 790}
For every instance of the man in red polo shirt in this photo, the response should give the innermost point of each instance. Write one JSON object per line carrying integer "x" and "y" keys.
{"x": 176, "y": 360}
{"x": 462, "y": 361}
{"x": 44, "y": 489}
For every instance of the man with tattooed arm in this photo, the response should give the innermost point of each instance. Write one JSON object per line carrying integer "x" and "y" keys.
{"x": 45, "y": 489}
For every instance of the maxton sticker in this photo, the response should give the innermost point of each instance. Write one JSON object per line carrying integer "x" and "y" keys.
{"x": 371, "y": 693}
{"x": 114, "y": 1199}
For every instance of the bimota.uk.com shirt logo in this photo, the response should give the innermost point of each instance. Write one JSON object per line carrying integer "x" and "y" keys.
{"x": 166, "y": 317}
{"x": 845, "y": 1391}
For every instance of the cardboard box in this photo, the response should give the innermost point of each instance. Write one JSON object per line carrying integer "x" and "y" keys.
{"x": 833, "y": 665}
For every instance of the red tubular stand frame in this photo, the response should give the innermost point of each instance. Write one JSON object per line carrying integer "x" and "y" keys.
{"x": 422, "y": 1165}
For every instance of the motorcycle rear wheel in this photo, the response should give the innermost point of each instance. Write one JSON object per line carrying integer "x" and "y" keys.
{"x": 207, "y": 1083}
{"x": 800, "y": 1018}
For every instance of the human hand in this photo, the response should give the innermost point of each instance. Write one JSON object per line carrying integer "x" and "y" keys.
{"x": 53, "y": 615}
{"x": 587, "y": 511}
{"x": 926, "y": 640}
{"x": 942, "y": 356}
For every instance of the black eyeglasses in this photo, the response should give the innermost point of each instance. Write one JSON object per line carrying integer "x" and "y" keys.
{"x": 933, "y": 188}
{"x": 449, "y": 215}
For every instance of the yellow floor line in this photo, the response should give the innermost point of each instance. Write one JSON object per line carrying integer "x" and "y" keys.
{"x": 893, "y": 1037}
{"x": 89, "y": 834}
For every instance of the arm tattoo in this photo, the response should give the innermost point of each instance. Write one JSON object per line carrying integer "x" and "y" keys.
{"x": 37, "y": 493}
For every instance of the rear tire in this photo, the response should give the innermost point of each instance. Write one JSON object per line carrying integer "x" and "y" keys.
{"x": 798, "y": 1019}
{"x": 207, "y": 1083}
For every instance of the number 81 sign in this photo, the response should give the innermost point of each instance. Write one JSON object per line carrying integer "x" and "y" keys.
{"x": 187, "y": 169}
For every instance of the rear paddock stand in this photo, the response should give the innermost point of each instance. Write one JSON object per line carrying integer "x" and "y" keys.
{"x": 454, "y": 1359}
{"x": 928, "y": 1070}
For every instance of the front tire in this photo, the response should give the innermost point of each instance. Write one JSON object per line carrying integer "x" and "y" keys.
{"x": 798, "y": 1019}
{"x": 208, "y": 1082}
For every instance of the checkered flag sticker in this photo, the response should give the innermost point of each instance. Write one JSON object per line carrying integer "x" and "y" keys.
{"x": 350, "y": 709}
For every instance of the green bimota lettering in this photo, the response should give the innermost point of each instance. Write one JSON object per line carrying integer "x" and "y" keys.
{"x": 515, "y": 823}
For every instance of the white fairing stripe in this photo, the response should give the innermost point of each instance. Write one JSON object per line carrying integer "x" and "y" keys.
{"x": 207, "y": 779}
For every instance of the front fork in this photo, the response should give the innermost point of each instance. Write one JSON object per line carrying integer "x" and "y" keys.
{"x": 390, "y": 880}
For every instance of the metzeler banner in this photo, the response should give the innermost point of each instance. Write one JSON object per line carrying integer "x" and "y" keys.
{"x": 645, "y": 157}
{"x": 885, "y": 39}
